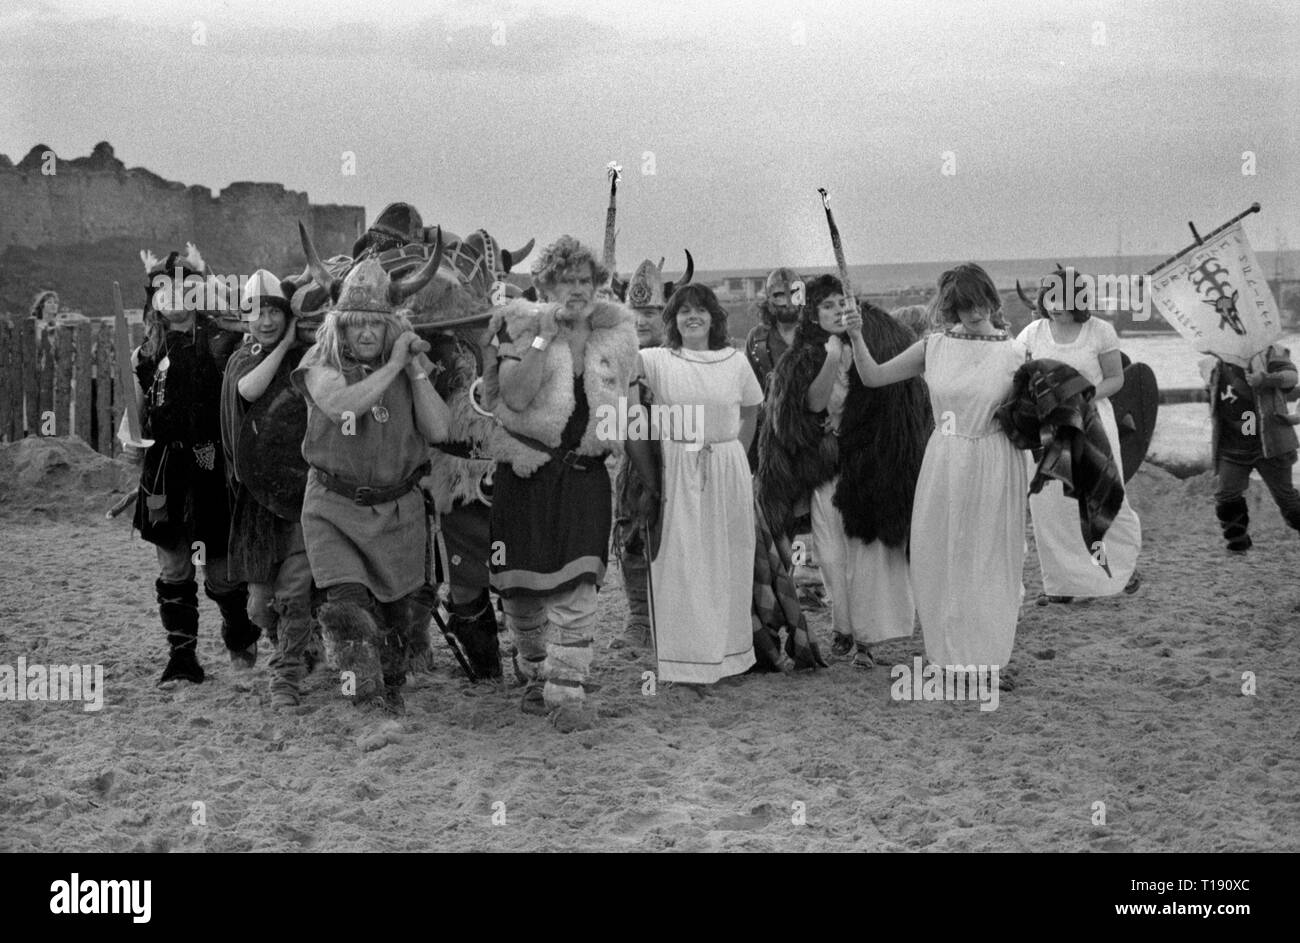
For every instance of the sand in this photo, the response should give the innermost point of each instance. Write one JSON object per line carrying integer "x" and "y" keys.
{"x": 1134, "y": 702}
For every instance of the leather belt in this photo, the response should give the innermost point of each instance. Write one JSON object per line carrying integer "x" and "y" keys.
{"x": 366, "y": 496}
{"x": 568, "y": 457}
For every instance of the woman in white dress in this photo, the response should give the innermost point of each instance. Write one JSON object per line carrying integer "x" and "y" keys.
{"x": 968, "y": 522}
{"x": 1070, "y": 567}
{"x": 706, "y": 401}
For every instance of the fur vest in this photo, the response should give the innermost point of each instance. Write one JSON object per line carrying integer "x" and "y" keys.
{"x": 609, "y": 366}
{"x": 877, "y": 454}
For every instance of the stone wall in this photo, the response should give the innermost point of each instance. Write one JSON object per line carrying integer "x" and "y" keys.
{"x": 65, "y": 230}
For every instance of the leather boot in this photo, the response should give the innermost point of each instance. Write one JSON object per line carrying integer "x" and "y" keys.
{"x": 475, "y": 626}
{"x": 178, "y": 608}
{"x": 238, "y": 631}
{"x": 289, "y": 663}
{"x": 1234, "y": 520}
{"x": 636, "y": 627}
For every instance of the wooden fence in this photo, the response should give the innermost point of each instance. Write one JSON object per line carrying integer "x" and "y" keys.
{"x": 62, "y": 383}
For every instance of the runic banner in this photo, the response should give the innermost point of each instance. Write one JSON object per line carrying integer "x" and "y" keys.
{"x": 1216, "y": 295}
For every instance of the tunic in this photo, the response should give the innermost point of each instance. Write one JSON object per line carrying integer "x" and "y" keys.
{"x": 550, "y": 530}
{"x": 382, "y": 546}
{"x": 701, "y": 582}
{"x": 968, "y": 522}
{"x": 1068, "y": 565}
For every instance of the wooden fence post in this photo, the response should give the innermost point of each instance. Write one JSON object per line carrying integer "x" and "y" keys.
{"x": 82, "y": 402}
{"x": 6, "y": 377}
{"x": 31, "y": 371}
{"x": 45, "y": 383}
{"x": 63, "y": 381}
{"x": 104, "y": 367}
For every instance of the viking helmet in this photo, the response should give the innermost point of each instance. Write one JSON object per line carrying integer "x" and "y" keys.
{"x": 368, "y": 287}
{"x": 263, "y": 289}
{"x": 647, "y": 288}
{"x": 779, "y": 279}
{"x": 396, "y": 223}
{"x": 1058, "y": 277}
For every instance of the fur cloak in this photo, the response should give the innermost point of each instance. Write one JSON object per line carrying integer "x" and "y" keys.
{"x": 877, "y": 454}
{"x": 610, "y": 361}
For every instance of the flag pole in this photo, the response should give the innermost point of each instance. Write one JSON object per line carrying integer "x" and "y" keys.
{"x": 1254, "y": 208}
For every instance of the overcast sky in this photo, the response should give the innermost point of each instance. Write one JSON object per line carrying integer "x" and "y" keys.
{"x": 1069, "y": 125}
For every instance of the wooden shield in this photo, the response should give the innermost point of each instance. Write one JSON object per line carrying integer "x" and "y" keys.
{"x": 1136, "y": 406}
{"x": 268, "y": 457}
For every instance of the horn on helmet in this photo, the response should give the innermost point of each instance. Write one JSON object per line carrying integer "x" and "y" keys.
{"x": 1021, "y": 292}
{"x": 690, "y": 270}
{"x": 319, "y": 273}
{"x": 408, "y": 285}
{"x": 508, "y": 258}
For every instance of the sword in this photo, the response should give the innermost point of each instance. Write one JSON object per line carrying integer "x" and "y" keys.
{"x": 125, "y": 376}
{"x": 126, "y": 502}
{"x": 452, "y": 642}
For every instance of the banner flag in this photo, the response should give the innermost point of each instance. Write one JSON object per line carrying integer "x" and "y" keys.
{"x": 1216, "y": 295}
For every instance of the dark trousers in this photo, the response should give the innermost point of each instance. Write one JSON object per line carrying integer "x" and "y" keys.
{"x": 1234, "y": 479}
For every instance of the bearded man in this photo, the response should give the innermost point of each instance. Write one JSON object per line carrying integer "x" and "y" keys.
{"x": 566, "y": 367}
{"x": 773, "y": 334}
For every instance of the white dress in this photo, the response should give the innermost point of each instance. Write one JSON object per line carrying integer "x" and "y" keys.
{"x": 1068, "y": 564}
{"x": 968, "y": 522}
{"x": 869, "y": 586}
{"x": 702, "y": 581}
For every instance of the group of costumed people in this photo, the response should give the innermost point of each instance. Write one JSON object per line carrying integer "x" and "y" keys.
{"x": 309, "y": 455}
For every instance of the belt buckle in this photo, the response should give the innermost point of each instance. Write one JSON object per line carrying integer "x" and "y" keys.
{"x": 572, "y": 459}
{"x": 361, "y": 493}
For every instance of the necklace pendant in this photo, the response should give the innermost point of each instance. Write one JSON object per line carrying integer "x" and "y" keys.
{"x": 380, "y": 413}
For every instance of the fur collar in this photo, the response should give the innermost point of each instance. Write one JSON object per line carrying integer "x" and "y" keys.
{"x": 609, "y": 364}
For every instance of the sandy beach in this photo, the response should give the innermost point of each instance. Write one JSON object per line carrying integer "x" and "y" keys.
{"x": 1134, "y": 702}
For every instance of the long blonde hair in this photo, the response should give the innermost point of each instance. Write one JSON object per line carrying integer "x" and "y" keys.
{"x": 331, "y": 347}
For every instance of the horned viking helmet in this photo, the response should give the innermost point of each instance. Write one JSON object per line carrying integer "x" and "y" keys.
{"x": 367, "y": 287}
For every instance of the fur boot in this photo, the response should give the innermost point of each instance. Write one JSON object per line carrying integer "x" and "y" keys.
{"x": 352, "y": 643}
{"x": 567, "y": 667}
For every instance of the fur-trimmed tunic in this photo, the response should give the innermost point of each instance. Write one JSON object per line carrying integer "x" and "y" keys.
{"x": 552, "y": 519}
{"x": 609, "y": 366}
